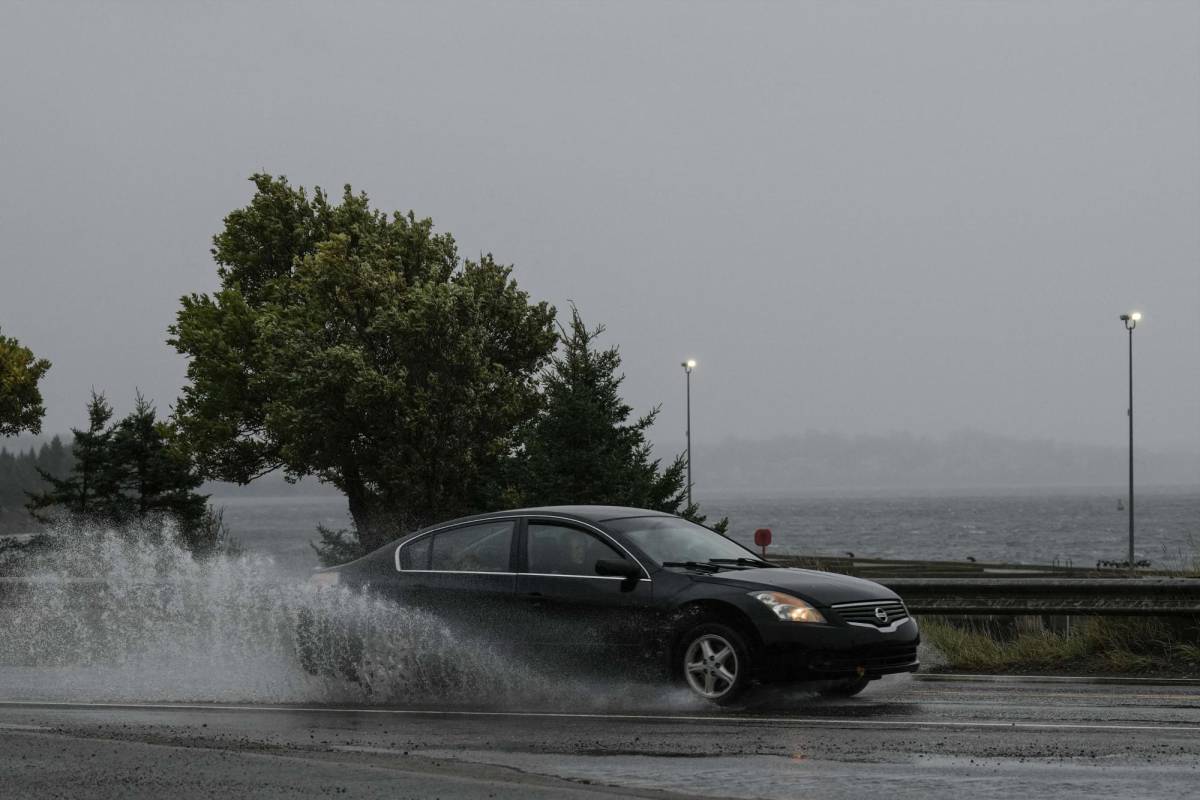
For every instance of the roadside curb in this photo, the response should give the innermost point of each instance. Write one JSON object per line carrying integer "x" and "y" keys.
{"x": 959, "y": 677}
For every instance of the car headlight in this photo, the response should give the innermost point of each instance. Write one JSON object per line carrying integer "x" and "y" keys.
{"x": 788, "y": 608}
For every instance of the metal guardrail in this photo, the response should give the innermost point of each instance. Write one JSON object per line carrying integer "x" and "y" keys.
{"x": 1157, "y": 597}
{"x": 1149, "y": 596}
{"x": 983, "y": 588}
{"x": 877, "y": 568}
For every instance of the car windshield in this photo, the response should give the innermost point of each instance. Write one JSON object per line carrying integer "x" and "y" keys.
{"x": 670, "y": 539}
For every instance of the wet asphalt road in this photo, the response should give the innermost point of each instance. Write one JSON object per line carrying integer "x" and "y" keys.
{"x": 903, "y": 738}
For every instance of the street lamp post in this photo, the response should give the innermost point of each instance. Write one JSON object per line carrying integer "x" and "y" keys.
{"x": 1131, "y": 321}
{"x": 688, "y": 366}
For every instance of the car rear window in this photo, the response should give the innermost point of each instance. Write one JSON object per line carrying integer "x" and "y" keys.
{"x": 485, "y": 547}
{"x": 416, "y": 554}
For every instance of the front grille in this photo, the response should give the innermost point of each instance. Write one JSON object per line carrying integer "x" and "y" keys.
{"x": 882, "y": 659}
{"x": 872, "y": 613}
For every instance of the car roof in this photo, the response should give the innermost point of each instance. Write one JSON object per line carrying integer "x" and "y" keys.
{"x": 593, "y": 513}
{"x": 583, "y": 513}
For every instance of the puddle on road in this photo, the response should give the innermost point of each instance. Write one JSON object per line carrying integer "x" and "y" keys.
{"x": 897, "y": 775}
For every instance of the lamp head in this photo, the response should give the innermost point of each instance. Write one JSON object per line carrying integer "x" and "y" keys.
{"x": 1131, "y": 319}
{"x": 689, "y": 365}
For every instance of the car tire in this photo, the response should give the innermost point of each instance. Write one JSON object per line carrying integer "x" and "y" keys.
{"x": 847, "y": 687}
{"x": 714, "y": 662}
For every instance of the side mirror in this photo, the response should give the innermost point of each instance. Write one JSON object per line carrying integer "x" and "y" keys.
{"x": 618, "y": 568}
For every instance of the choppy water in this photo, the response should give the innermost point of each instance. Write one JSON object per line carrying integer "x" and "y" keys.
{"x": 1034, "y": 526}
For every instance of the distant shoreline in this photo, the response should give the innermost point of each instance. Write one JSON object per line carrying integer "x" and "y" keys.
{"x": 1116, "y": 492}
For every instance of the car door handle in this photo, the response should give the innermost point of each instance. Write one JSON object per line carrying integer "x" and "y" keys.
{"x": 535, "y": 598}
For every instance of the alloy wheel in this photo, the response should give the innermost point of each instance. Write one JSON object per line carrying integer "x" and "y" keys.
{"x": 711, "y": 666}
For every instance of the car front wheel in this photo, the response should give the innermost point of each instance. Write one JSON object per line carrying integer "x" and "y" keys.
{"x": 715, "y": 662}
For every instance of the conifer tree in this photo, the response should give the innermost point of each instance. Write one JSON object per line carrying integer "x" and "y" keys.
{"x": 55, "y": 457}
{"x": 151, "y": 474}
{"x": 583, "y": 447}
{"x": 127, "y": 471}
{"x": 90, "y": 488}
{"x": 20, "y": 474}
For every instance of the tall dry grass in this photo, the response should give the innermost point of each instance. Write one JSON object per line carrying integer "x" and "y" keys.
{"x": 1101, "y": 645}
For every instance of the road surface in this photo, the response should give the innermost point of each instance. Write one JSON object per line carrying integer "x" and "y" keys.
{"x": 903, "y": 738}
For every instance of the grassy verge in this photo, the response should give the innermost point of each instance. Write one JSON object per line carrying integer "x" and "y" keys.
{"x": 1088, "y": 645}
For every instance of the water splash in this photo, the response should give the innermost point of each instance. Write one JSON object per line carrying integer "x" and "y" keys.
{"x": 120, "y": 616}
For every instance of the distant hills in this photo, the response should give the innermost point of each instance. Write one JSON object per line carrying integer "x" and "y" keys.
{"x": 816, "y": 461}
{"x": 967, "y": 459}
{"x": 272, "y": 485}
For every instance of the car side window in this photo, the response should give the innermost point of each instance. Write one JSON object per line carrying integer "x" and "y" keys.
{"x": 475, "y": 548}
{"x": 416, "y": 555}
{"x": 559, "y": 550}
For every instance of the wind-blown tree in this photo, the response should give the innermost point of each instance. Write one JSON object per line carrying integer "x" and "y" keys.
{"x": 21, "y": 406}
{"x": 354, "y": 346}
{"x": 584, "y": 448}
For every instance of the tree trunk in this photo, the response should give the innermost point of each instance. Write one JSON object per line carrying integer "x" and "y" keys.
{"x": 365, "y": 523}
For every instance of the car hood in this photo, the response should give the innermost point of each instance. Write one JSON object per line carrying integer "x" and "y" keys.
{"x": 819, "y": 588}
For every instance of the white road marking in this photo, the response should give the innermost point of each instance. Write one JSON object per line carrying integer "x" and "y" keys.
{"x": 949, "y": 693}
{"x": 381, "y": 751}
{"x": 1080, "y": 680}
{"x": 7, "y": 727}
{"x": 795, "y": 721}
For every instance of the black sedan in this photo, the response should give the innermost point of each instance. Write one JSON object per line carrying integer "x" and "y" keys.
{"x": 592, "y": 582}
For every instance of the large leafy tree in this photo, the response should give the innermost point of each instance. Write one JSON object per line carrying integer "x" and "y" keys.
{"x": 583, "y": 447}
{"x": 354, "y": 345}
{"x": 21, "y": 406}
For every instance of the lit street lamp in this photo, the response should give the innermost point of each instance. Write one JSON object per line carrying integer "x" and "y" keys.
{"x": 688, "y": 366}
{"x": 1131, "y": 321}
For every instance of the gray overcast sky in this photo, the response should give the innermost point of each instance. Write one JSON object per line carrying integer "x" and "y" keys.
{"x": 859, "y": 217}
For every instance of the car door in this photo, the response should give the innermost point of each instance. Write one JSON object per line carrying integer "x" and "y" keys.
{"x": 464, "y": 574}
{"x": 572, "y": 608}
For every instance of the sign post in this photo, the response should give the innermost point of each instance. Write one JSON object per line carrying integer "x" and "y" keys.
{"x": 762, "y": 538}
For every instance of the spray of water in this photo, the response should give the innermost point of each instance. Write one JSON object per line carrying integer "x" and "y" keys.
{"x": 131, "y": 616}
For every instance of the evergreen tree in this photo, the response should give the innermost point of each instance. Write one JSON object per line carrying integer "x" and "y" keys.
{"x": 151, "y": 474}
{"x": 91, "y": 487}
{"x": 127, "y": 471}
{"x": 583, "y": 448}
{"x": 20, "y": 475}
{"x": 10, "y": 479}
{"x": 55, "y": 457}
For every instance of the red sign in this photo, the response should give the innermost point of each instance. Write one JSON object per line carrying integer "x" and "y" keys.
{"x": 762, "y": 537}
